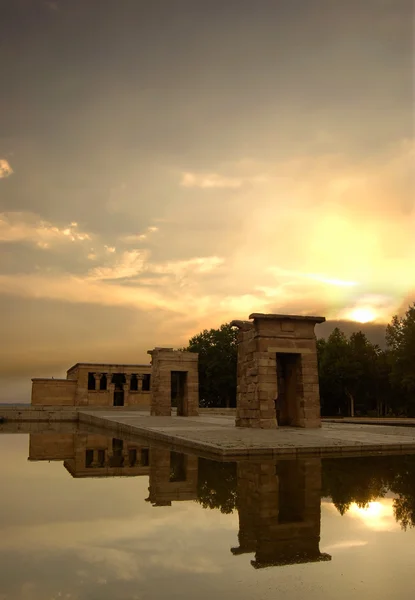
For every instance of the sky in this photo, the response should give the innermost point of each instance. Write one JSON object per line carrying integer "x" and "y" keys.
{"x": 169, "y": 165}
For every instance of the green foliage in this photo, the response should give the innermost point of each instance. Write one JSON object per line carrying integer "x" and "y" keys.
{"x": 217, "y": 350}
{"x": 217, "y": 485}
{"x": 365, "y": 479}
{"x": 356, "y": 376}
{"x": 400, "y": 339}
{"x": 345, "y": 480}
{"x": 349, "y": 371}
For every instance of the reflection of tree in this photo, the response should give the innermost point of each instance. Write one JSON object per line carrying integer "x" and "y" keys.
{"x": 345, "y": 480}
{"x": 348, "y": 480}
{"x": 217, "y": 485}
{"x": 362, "y": 480}
{"x": 403, "y": 486}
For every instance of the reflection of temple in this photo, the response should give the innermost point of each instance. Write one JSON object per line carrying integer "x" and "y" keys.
{"x": 279, "y": 511}
{"x": 91, "y": 455}
{"x": 172, "y": 475}
{"x": 278, "y": 500}
{"x": 98, "y": 456}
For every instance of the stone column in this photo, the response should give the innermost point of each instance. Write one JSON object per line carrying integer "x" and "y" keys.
{"x": 110, "y": 387}
{"x": 140, "y": 378}
{"x": 97, "y": 380}
{"x": 256, "y": 381}
{"x": 159, "y": 476}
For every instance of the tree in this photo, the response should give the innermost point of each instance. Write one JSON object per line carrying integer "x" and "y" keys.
{"x": 400, "y": 339}
{"x": 354, "y": 375}
{"x": 334, "y": 373}
{"x": 359, "y": 480}
{"x": 217, "y": 485}
{"x": 365, "y": 479}
{"x": 217, "y": 350}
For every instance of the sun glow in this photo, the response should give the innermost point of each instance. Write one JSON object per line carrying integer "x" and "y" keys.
{"x": 376, "y": 515}
{"x": 372, "y": 511}
{"x": 363, "y": 314}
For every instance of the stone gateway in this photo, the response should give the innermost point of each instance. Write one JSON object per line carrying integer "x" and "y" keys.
{"x": 277, "y": 372}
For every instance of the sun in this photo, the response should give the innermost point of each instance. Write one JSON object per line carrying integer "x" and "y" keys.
{"x": 363, "y": 314}
{"x": 373, "y": 510}
{"x": 376, "y": 515}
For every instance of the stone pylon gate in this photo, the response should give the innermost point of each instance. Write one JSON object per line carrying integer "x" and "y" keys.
{"x": 173, "y": 477}
{"x": 277, "y": 372}
{"x": 175, "y": 376}
{"x": 279, "y": 506}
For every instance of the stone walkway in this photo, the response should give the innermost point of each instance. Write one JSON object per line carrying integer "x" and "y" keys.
{"x": 217, "y": 435}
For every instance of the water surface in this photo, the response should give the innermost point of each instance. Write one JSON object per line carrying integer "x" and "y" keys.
{"x": 86, "y": 516}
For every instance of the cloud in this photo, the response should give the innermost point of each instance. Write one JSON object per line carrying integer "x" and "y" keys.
{"x": 28, "y": 227}
{"x": 139, "y": 237}
{"x": 5, "y": 168}
{"x": 319, "y": 235}
{"x": 345, "y": 545}
{"x": 133, "y": 263}
{"x": 195, "y": 265}
{"x": 130, "y": 264}
{"x": 290, "y": 274}
{"x": 101, "y": 285}
{"x": 209, "y": 181}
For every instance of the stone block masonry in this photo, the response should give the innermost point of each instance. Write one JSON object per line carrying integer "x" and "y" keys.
{"x": 277, "y": 376}
{"x": 95, "y": 385}
{"x": 175, "y": 379}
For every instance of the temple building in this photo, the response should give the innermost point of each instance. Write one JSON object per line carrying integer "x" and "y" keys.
{"x": 90, "y": 384}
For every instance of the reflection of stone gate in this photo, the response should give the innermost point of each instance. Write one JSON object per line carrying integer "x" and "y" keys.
{"x": 175, "y": 379}
{"x": 173, "y": 477}
{"x": 277, "y": 372}
{"x": 279, "y": 511}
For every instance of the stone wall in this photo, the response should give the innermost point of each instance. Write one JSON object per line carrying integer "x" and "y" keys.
{"x": 97, "y": 397}
{"x": 29, "y": 414}
{"x": 53, "y": 392}
{"x": 51, "y": 446}
{"x": 96, "y": 455}
{"x": 163, "y": 488}
{"x": 164, "y": 361}
{"x": 74, "y": 391}
{"x": 279, "y": 511}
{"x": 268, "y": 346}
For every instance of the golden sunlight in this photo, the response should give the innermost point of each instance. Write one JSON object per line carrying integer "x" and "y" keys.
{"x": 372, "y": 511}
{"x": 362, "y": 314}
{"x": 376, "y": 515}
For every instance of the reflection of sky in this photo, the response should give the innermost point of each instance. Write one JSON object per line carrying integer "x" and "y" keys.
{"x": 98, "y": 539}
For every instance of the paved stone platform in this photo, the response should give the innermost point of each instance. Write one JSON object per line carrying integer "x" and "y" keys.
{"x": 395, "y": 421}
{"x": 217, "y": 435}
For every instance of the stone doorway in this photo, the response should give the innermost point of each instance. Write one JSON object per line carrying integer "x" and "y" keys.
{"x": 288, "y": 377}
{"x": 261, "y": 341}
{"x": 117, "y": 458}
{"x": 291, "y": 491}
{"x": 175, "y": 382}
{"x": 179, "y": 391}
{"x": 118, "y": 379}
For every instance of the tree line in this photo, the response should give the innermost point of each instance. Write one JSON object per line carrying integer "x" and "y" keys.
{"x": 344, "y": 480}
{"x": 356, "y": 376}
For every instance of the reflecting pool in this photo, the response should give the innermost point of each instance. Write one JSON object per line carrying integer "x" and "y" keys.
{"x": 87, "y": 516}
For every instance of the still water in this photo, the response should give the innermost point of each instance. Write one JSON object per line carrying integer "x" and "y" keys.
{"x": 85, "y": 516}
